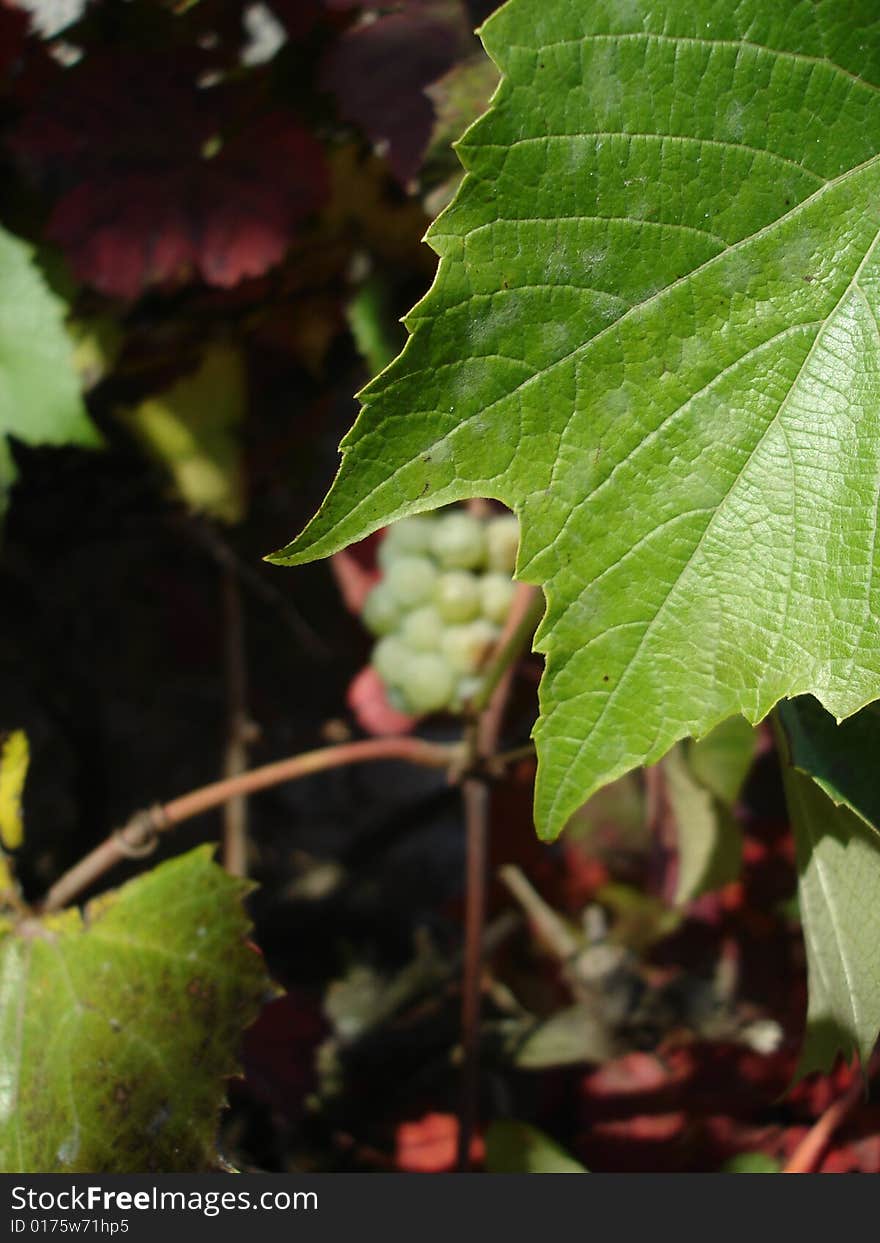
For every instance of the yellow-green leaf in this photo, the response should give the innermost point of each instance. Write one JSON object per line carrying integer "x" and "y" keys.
{"x": 194, "y": 430}
{"x": 14, "y": 758}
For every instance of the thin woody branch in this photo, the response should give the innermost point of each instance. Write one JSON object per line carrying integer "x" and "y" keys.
{"x": 139, "y": 836}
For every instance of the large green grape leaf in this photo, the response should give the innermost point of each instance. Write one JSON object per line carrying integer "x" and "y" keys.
{"x": 118, "y": 1025}
{"x": 653, "y": 333}
{"x": 40, "y": 400}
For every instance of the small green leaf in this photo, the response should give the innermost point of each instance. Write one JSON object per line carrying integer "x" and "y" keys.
{"x": 751, "y": 1163}
{"x": 97, "y": 343}
{"x": 194, "y": 430}
{"x": 654, "y": 335}
{"x": 376, "y": 333}
{"x": 640, "y": 919}
{"x": 721, "y": 761}
{"x": 839, "y": 758}
{"x": 119, "y": 1025}
{"x": 568, "y": 1037}
{"x": 40, "y": 401}
{"x": 14, "y": 760}
{"x": 709, "y": 839}
{"x": 516, "y": 1148}
{"x": 838, "y": 860}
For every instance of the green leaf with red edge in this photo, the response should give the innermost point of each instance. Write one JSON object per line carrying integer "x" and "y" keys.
{"x": 119, "y": 1024}
{"x": 654, "y": 335}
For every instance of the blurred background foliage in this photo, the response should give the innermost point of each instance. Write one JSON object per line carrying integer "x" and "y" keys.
{"x": 211, "y": 216}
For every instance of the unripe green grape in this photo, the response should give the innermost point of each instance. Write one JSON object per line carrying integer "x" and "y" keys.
{"x": 457, "y": 596}
{"x": 496, "y": 592}
{"x": 429, "y": 683}
{"x": 381, "y": 612}
{"x": 391, "y": 659}
{"x": 422, "y": 629}
{"x": 502, "y": 542}
{"x": 409, "y": 536}
{"x": 458, "y": 541}
{"x": 411, "y": 580}
{"x": 466, "y": 647}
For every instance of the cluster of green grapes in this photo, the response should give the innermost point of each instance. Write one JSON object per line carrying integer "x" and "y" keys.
{"x": 446, "y": 589}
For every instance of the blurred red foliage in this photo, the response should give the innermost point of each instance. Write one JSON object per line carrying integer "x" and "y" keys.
{"x": 428, "y": 1145}
{"x": 151, "y": 183}
{"x": 278, "y": 1053}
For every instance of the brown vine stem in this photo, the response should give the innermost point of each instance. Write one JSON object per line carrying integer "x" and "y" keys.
{"x": 525, "y": 613}
{"x": 208, "y": 537}
{"x": 807, "y": 1157}
{"x": 481, "y": 742}
{"x": 475, "y": 794}
{"x": 138, "y": 837}
{"x": 240, "y": 730}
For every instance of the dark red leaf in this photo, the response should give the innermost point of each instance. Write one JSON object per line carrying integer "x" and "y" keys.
{"x": 14, "y": 26}
{"x": 297, "y": 16}
{"x": 278, "y": 1052}
{"x": 378, "y": 71}
{"x": 148, "y": 188}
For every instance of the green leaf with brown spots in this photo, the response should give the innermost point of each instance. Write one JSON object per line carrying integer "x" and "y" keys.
{"x": 119, "y": 1024}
